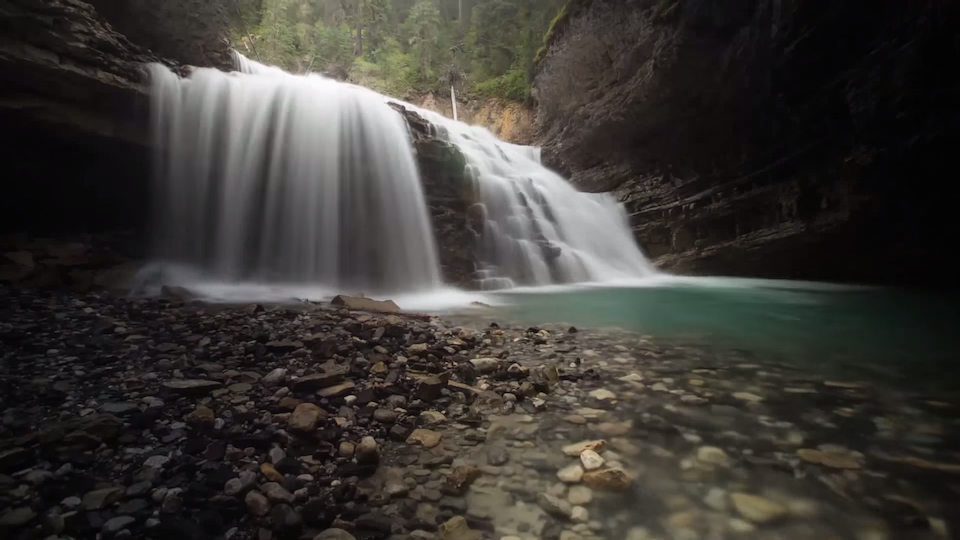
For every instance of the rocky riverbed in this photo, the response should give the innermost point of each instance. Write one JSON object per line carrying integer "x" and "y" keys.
{"x": 169, "y": 418}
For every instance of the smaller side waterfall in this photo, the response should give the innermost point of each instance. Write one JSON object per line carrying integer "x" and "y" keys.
{"x": 267, "y": 176}
{"x": 533, "y": 226}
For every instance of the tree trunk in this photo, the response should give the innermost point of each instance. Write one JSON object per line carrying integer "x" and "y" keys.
{"x": 358, "y": 46}
{"x": 460, "y": 22}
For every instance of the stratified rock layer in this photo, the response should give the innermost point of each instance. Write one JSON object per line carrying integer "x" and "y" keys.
{"x": 760, "y": 137}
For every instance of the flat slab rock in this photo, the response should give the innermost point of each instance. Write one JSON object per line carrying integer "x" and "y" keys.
{"x": 365, "y": 304}
{"x": 191, "y": 387}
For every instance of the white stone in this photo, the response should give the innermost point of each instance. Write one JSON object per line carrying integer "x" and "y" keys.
{"x": 591, "y": 460}
{"x": 713, "y": 456}
{"x": 571, "y": 474}
{"x": 748, "y": 397}
{"x": 602, "y": 394}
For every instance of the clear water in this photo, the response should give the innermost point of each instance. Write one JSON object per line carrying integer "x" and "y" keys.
{"x": 882, "y": 334}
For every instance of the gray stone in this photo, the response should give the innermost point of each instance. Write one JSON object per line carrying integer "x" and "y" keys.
{"x": 555, "y": 506}
{"x": 117, "y": 524}
{"x": 99, "y": 498}
{"x": 17, "y": 517}
{"x": 276, "y": 493}
{"x": 257, "y": 504}
{"x": 191, "y": 387}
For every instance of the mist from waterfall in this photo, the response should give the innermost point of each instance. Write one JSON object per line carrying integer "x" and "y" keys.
{"x": 269, "y": 177}
{"x": 533, "y": 225}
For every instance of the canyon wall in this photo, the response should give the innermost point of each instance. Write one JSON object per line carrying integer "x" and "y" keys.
{"x": 781, "y": 138}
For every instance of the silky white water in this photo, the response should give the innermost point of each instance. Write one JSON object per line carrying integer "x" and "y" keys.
{"x": 308, "y": 187}
{"x": 276, "y": 178}
{"x": 535, "y": 227}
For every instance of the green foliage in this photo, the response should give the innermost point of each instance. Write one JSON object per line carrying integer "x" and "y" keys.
{"x": 557, "y": 22}
{"x": 482, "y": 47}
{"x": 512, "y": 85}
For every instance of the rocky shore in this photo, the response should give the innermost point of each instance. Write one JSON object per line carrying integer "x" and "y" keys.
{"x": 169, "y": 418}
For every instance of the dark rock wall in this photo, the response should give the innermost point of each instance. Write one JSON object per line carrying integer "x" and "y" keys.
{"x": 448, "y": 192}
{"x": 192, "y": 32}
{"x": 783, "y": 138}
{"x": 74, "y": 110}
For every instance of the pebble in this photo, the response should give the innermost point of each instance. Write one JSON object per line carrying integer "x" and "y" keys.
{"x": 579, "y": 495}
{"x": 757, "y": 509}
{"x": 713, "y": 456}
{"x": 591, "y": 460}
{"x": 571, "y": 474}
{"x": 602, "y": 394}
{"x": 257, "y": 504}
{"x": 424, "y": 437}
{"x": 367, "y": 451}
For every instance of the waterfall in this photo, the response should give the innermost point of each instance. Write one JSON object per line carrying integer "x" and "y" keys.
{"x": 270, "y": 177}
{"x": 534, "y": 226}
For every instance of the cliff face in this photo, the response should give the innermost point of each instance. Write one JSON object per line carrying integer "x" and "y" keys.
{"x": 75, "y": 106}
{"x": 784, "y": 138}
{"x": 74, "y": 109}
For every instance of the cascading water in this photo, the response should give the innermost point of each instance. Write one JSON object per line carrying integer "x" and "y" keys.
{"x": 533, "y": 225}
{"x": 271, "y": 177}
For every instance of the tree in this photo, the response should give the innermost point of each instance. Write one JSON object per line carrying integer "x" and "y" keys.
{"x": 425, "y": 25}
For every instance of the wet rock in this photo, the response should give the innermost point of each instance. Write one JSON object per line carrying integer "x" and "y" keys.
{"x": 833, "y": 460}
{"x": 385, "y": 416}
{"x": 346, "y": 449}
{"x": 200, "y": 416}
{"x": 612, "y": 479}
{"x": 270, "y": 473}
{"x": 275, "y": 377}
{"x": 456, "y": 528}
{"x": 337, "y": 390}
{"x": 553, "y": 505}
{"x": 286, "y": 522}
{"x": 432, "y": 418}
{"x": 602, "y": 394}
{"x": 713, "y": 456}
{"x": 100, "y": 498}
{"x": 305, "y": 418}
{"x": 375, "y": 522}
{"x": 430, "y": 388}
{"x": 191, "y": 387}
{"x": 334, "y": 534}
{"x": 367, "y": 451}
{"x": 365, "y": 304}
{"x": 17, "y": 517}
{"x": 117, "y": 524}
{"x": 748, "y": 397}
{"x": 257, "y": 504}
{"x": 757, "y": 509}
{"x": 485, "y": 365}
{"x": 716, "y": 499}
{"x": 579, "y": 495}
{"x": 460, "y": 479}
{"x": 497, "y": 455}
{"x": 571, "y": 474}
{"x": 156, "y": 462}
{"x": 276, "y": 493}
{"x": 591, "y": 460}
{"x": 575, "y": 449}
{"x": 424, "y": 437}
{"x": 15, "y": 459}
{"x": 310, "y": 383}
